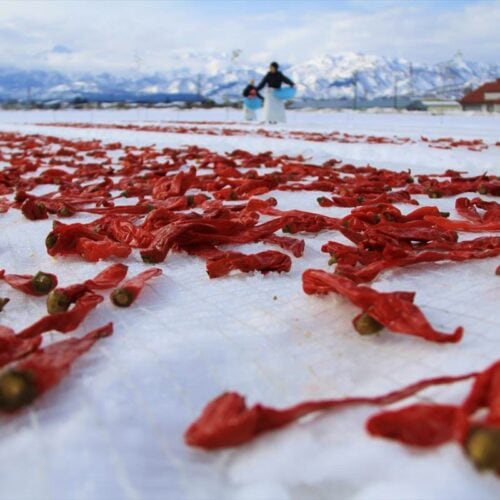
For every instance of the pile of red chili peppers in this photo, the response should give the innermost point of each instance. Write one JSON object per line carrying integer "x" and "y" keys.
{"x": 194, "y": 201}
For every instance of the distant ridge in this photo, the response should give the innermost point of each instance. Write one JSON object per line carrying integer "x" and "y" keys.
{"x": 215, "y": 76}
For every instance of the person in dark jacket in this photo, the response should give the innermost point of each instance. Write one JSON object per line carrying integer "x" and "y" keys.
{"x": 274, "y": 78}
{"x": 274, "y": 108}
{"x": 251, "y": 90}
{"x": 251, "y": 93}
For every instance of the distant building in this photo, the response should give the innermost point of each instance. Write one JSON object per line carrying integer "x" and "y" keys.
{"x": 433, "y": 105}
{"x": 484, "y": 98}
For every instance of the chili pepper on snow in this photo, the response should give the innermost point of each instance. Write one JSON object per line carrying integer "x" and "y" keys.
{"x": 60, "y": 299}
{"x": 39, "y": 284}
{"x": 418, "y": 425}
{"x": 34, "y": 210}
{"x": 64, "y": 322}
{"x": 12, "y": 347}
{"x": 430, "y": 425}
{"x": 394, "y": 310}
{"x": 479, "y": 248}
{"x": 293, "y": 245}
{"x": 458, "y": 225}
{"x": 130, "y": 290}
{"x": 63, "y": 238}
{"x": 43, "y": 369}
{"x": 264, "y": 262}
{"x": 94, "y": 251}
{"x": 227, "y": 421}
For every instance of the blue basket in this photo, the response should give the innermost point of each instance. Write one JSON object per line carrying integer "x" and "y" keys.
{"x": 252, "y": 102}
{"x": 285, "y": 93}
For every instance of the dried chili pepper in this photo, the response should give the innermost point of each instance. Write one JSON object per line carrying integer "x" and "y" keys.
{"x": 63, "y": 239}
{"x": 227, "y": 421}
{"x": 466, "y": 209}
{"x": 39, "y": 284}
{"x": 60, "y": 299}
{"x": 13, "y": 347}
{"x": 34, "y": 210}
{"x": 430, "y": 425}
{"x": 94, "y": 251}
{"x": 393, "y": 310}
{"x": 458, "y": 225}
{"x": 130, "y": 290}
{"x": 293, "y": 245}
{"x": 43, "y": 369}
{"x": 64, "y": 322}
{"x": 264, "y": 262}
{"x": 417, "y": 425}
{"x": 190, "y": 232}
{"x": 390, "y": 257}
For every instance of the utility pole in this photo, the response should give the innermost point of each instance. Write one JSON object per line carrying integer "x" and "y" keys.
{"x": 28, "y": 97}
{"x": 235, "y": 55}
{"x": 411, "y": 79}
{"x": 138, "y": 61}
{"x": 355, "y": 83}
{"x": 198, "y": 85}
{"x": 395, "y": 93}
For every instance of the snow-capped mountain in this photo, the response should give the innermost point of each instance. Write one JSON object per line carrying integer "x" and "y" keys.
{"x": 221, "y": 77}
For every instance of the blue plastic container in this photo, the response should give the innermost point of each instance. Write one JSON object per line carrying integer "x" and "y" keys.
{"x": 252, "y": 102}
{"x": 285, "y": 93}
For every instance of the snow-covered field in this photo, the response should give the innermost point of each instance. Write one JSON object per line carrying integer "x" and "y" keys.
{"x": 113, "y": 429}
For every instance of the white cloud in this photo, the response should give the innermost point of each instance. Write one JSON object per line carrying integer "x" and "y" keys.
{"x": 108, "y": 36}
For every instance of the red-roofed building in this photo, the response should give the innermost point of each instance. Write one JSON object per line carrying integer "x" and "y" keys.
{"x": 484, "y": 98}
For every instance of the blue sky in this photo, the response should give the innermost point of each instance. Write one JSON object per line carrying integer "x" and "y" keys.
{"x": 149, "y": 35}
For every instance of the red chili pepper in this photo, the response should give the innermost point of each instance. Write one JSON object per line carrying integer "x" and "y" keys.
{"x": 466, "y": 209}
{"x": 123, "y": 231}
{"x": 479, "y": 248}
{"x": 39, "y": 284}
{"x": 94, "y": 251}
{"x": 34, "y": 210}
{"x": 458, "y": 225}
{"x": 5, "y": 204}
{"x": 431, "y": 425}
{"x": 418, "y": 425}
{"x": 63, "y": 322}
{"x": 367, "y": 199}
{"x": 130, "y": 290}
{"x": 393, "y": 310}
{"x": 60, "y": 299}
{"x": 64, "y": 238}
{"x": 264, "y": 262}
{"x": 227, "y": 421}
{"x": 13, "y": 348}
{"x": 206, "y": 231}
{"x": 293, "y": 245}
{"x": 43, "y": 369}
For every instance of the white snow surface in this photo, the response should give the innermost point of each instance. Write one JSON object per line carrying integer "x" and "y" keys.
{"x": 113, "y": 428}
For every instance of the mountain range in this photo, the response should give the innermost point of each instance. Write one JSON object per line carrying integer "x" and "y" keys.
{"x": 221, "y": 77}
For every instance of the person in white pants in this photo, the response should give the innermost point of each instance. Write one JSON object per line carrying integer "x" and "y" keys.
{"x": 274, "y": 108}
